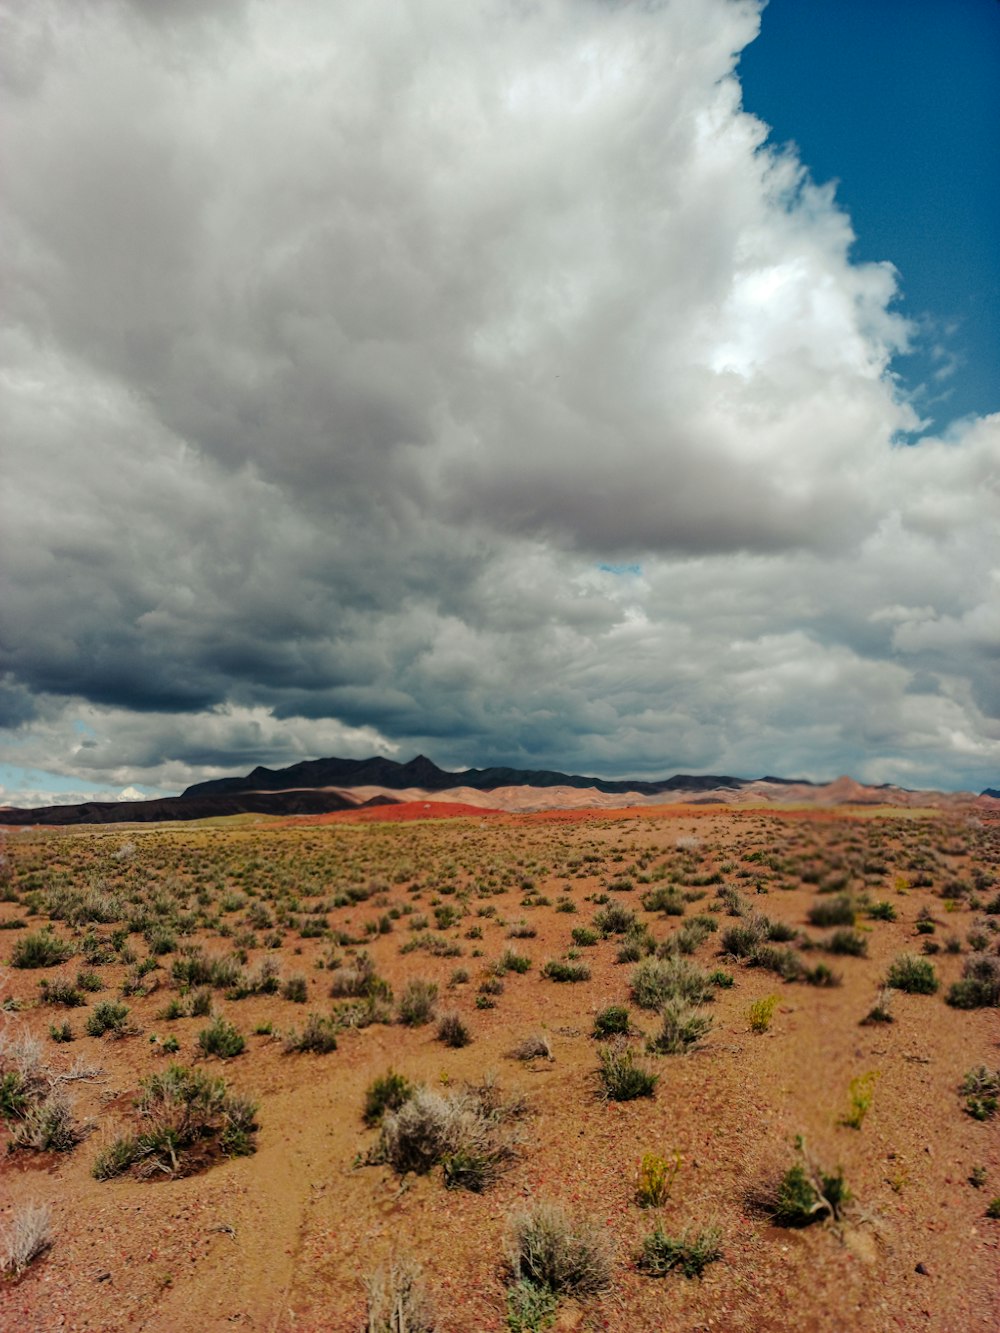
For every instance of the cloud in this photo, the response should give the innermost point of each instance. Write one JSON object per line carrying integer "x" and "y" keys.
{"x": 471, "y": 378}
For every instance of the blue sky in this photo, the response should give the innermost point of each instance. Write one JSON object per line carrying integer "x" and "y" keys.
{"x": 899, "y": 102}
{"x": 479, "y": 380}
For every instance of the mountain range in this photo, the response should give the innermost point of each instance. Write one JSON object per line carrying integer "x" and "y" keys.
{"x": 323, "y": 786}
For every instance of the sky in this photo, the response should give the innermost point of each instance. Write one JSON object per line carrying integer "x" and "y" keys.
{"x": 586, "y": 384}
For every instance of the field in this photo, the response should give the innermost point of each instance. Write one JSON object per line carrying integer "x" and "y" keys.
{"x": 674, "y": 1024}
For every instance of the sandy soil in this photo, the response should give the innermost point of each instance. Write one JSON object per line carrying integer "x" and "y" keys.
{"x": 283, "y": 1239}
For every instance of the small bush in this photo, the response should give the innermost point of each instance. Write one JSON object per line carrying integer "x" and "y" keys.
{"x": 805, "y": 1195}
{"x": 26, "y": 1238}
{"x": 584, "y": 936}
{"x": 40, "y": 948}
{"x": 108, "y": 1017}
{"x": 388, "y": 1092}
{"x": 881, "y": 1010}
{"x": 530, "y": 1308}
{"x": 657, "y": 980}
{"x": 295, "y": 989}
{"x": 612, "y": 1021}
{"x": 980, "y": 1088}
{"x": 682, "y": 1026}
{"x": 61, "y": 992}
{"x": 655, "y": 1179}
{"x": 186, "y": 1118}
{"x": 319, "y": 1036}
{"x": 452, "y": 1031}
{"x": 979, "y": 987}
{"x": 622, "y": 1079}
{"x": 221, "y": 1038}
{"x": 555, "y": 1252}
{"x": 862, "y": 1091}
{"x": 664, "y": 898}
{"x": 536, "y": 1047}
{"x": 690, "y": 1253}
{"x": 397, "y": 1302}
{"x": 913, "y": 975}
{"x": 882, "y": 911}
{"x": 838, "y": 911}
{"x": 466, "y": 1132}
{"x": 47, "y": 1125}
{"x": 761, "y": 1012}
{"x": 555, "y": 970}
{"x": 848, "y": 943}
{"x": 417, "y": 1003}
{"x": 614, "y": 919}
{"x": 510, "y": 961}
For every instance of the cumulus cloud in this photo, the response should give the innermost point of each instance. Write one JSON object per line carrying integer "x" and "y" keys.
{"x": 467, "y": 378}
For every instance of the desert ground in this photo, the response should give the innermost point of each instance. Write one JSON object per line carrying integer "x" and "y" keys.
{"x": 750, "y": 948}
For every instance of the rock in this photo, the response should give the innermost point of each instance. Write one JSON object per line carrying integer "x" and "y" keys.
{"x": 923, "y": 1269}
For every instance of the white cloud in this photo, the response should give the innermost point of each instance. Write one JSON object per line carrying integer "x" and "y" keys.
{"x": 345, "y": 343}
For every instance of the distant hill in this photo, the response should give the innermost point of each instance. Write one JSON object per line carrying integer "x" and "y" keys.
{"x": 992, "y": 791}
{"x": 209, "y": 806}
{"x": 425, "y": 774}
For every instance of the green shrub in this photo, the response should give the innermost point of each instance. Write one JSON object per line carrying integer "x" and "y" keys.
{"x": 467, "y": 1132}
{"x": 657, "y": 980}
{"x": 549, "y": 1249}
{"x": 838, "y": 911}
{"x": 388, "y": 1092}
{"x": 186, "y": 1119}
{"x": 911, "y": 974}
{"x": 664, "y": 898}
{"x": 612, "y": 1021}
{"x": 981, "y": 1089}
{"x": 221, "y": 1038}
{"x": 529, "y": 1308}
{"x": 861, "y": 1091}
{"x": 614, "y": 919}
{"x": 622, "y": 1079}
{"x": 555, "y": 970}
{"x": 584, "y": 936}
{"x": 319, "y": 1036}
{"x": 510, "y": 961}
{"x": 61, "y": 992}
{"x": 40, "y": 948}
{"x": 107, "y": 1017}
{"x": 761, "y": 1012}
{"x": 881, "y": 911}
{"x": 682, "y": 1026}
{"x": 452, "y": 1031}
{"x": 848, "y": 943}
{"x": 805, "y": 1195}
{"x": 417, "y": 1003}
{"x": 690, "y": 1253}
{"x": 295, "y": 989}
{"x": 46, "y": 1125}
{"x": 979, "y": 987}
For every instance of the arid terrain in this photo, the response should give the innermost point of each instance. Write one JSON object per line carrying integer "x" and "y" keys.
{"x": 747, "y": 945}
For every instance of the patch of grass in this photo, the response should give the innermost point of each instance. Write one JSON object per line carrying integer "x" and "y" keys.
{"x": 682, "y": 1027}
{"x": 614, "y": 919}
{"x": 657, "y": 980}
{"x": 806, "y": 1194}
{"x": 511, "y": 961}
{"x": 47, "y": 1125}
{"x": 690, "y": 1253}
{"x": 839, "y": 911}
{"x": 25, "y": 1238}
{"x": 397, "y": 1301}
{"x": 848, "y": 943}
{"x": 61, "y": 992}
{"x": 881, "y": 1010}
{"x": 881, "y": 911}
{"x": 535, "y": 1047}
{"x": 530, "y": 1309}
{"x": 584, "y": 936}
{"x": 622, "y": 1078}
{"x": 295, "y": 989}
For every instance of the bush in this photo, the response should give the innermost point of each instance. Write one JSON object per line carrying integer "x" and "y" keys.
{"x": 453, "y": 1032}
{"x": 862, "y": 1090}
{"x": 47, "y": 1125}
{"x": 397, "y": 1302}
{"x": 318, "y": 1036}
{"x": 26, "y": 1238}
{"x": 186, "y": 1119}
{"x": 848, "y": 943}
{"x": 838, "y": 911}
{"x": 981, "y": 1089}
{"x": 761, "y": 1012}
{"x": 535, "y": 1047}
{"x": 510, "y": 961}
{"x": 657, "y": 980}
{"x": 417, "y": 1003}
{"x": 221, "y": 1038}
{"x": 530, "y": 1308}
{"x": 584, "y": 936}
{"x": 360, "y": 981}
{"x": 882, "y": 911}
{"x": 108, "y": 1017}
{"x": 979, "y": 987}
{"x": 555, "y": 970}
{"x": 664, "y": 898}
{"x": 295, "y": 989}
{"x": 805, "y": 1195}
{"x": 61, "y": 992}
{"x": 467, "y": 1132}
{"x": 682, "y": 1027}
{"x": 40, "y": 948}
{"x": 614, "y": 919}
{"x": 911, "y": 974}
{"x": 550, "y": 1250}
{"x": 690, "y": 1253}
{"x": 612, "y": 1021}
{"x": 881, "y": 1010}
{"x": 622, "y": 1079}
{"x": 655, "y": 1179}
{"x": 388, "y": 1092}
